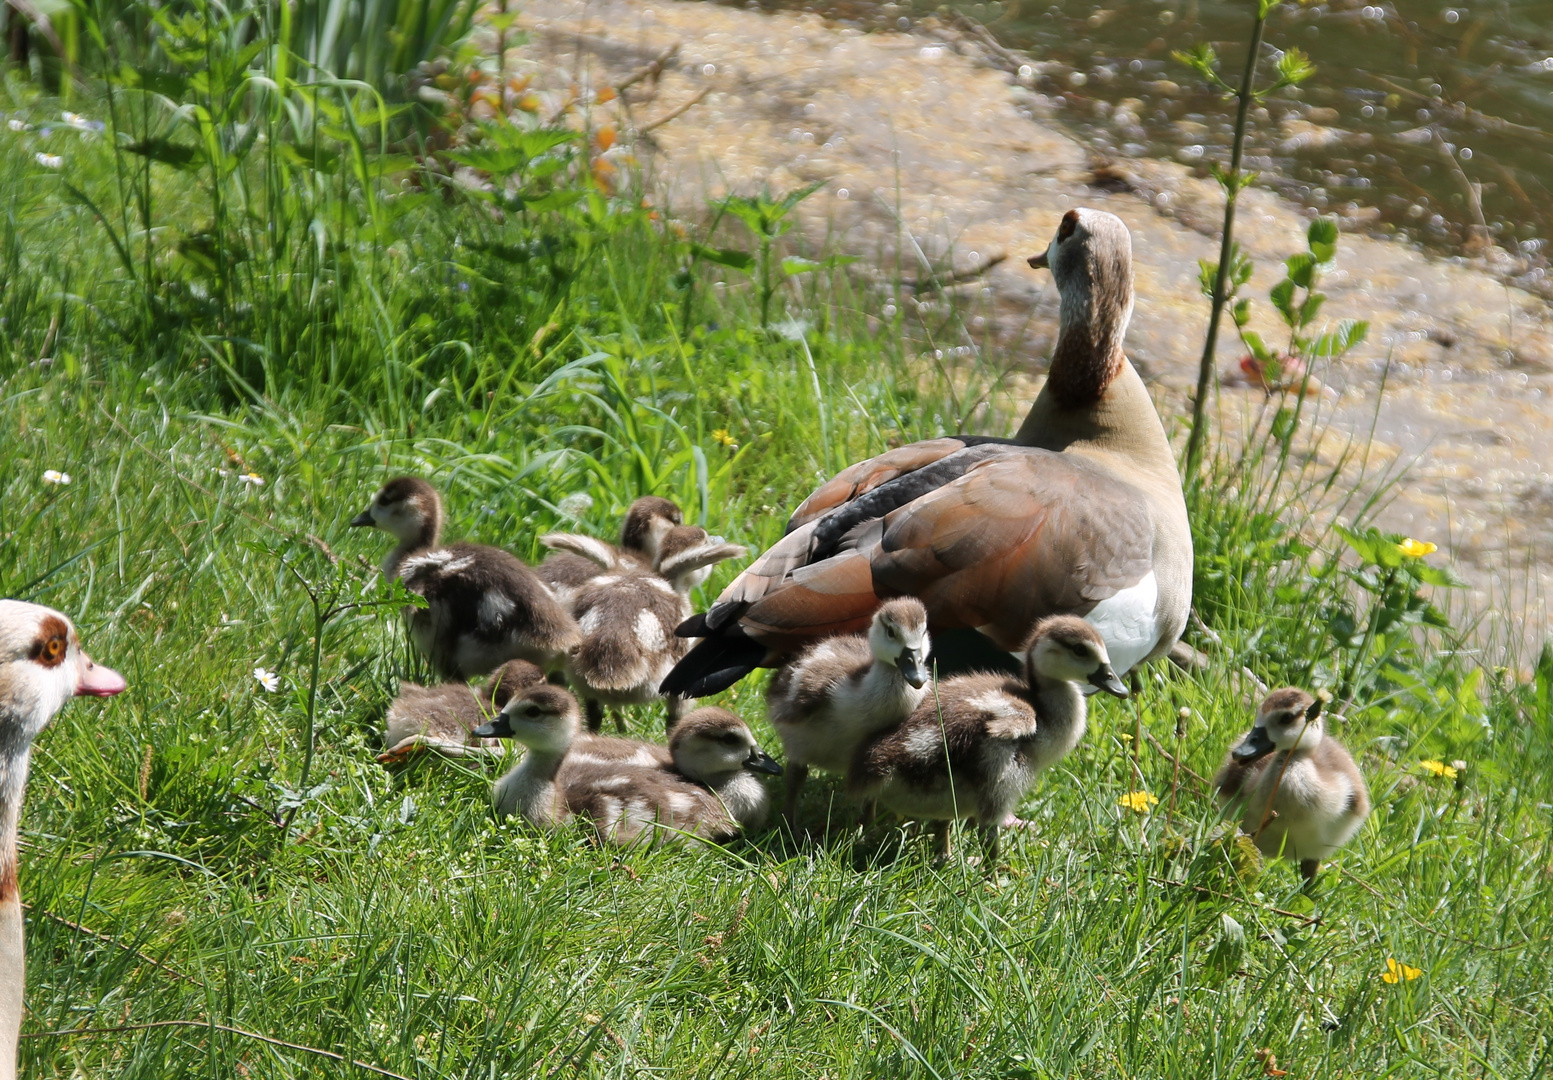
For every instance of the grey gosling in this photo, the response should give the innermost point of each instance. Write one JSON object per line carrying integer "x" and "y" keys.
{"x": 485, "y": 607}
{"x": 627, "y": 618}
{"x": 711, "y": 793}
{"x": 440, "y": 718}
{"x": 1295, "y": 789}
{"x": 649, "y": 518}
{"x": 838, "y": 691}
{"x": 976, "y": 743}
{"x": 41, "y": 667}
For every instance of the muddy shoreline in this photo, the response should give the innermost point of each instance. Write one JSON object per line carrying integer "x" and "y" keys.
{"x": 931, "y": 150}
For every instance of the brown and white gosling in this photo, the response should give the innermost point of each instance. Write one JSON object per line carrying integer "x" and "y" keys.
{"x": 711, "y": 793}
{"x": 627, "y": 618}
{"x": 41, "y": 667}
{"x": 484, "y": 606}
{"x": 1294, "y": 788}
{"x": 440, "y": 718}
{"x": 571, "y": 566}
{"x": 976, "y": 743}
{"x": 546, "y": 720}
{"x": 838, "y": 691}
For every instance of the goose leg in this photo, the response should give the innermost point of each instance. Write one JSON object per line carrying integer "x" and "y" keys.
{"x": 595, "y": 715}
{"x": 797, "y": 773}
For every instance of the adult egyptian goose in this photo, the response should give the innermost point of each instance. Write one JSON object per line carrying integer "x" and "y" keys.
{"x": 1079, "y": 513}
{"x": 41, "y": 667}
{"x": 567, "y": 569}
{"x": 976, "y": 743}
{"x": 627, "y": 618}
{"x": 440, "y": 718}
{"x": 711, "y": 792}
{"x": 484, "y": 606}
{"x": 1295, "y": 790}
{"x": 834, "y": 693}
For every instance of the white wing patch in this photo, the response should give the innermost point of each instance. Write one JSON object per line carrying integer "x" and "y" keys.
{"x": 1128, "y": 623}
{"x": 649, "y": 631}
{"x": 494, "y": 609}
{"x": 924, "y": 743}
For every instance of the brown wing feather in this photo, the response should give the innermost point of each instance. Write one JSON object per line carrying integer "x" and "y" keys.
{"x": 863, "y": 477}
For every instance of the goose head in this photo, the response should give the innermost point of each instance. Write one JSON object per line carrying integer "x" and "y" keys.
{"x": 647, "y": 522}
{"x": 1065, "y": 648}
{"x": 407, "y": 508}
{"x": 898, "y": 635}
{"x": 711, "y": 745}
{"x": 543, "y": 718}
{"x": 1287, "y": 719}
{"x": 42, "y": 666}
{"x": 1091, "y": 260}
{"x": 686, "y": 555}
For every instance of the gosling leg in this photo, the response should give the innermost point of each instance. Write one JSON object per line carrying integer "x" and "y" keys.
{"x": 990, "y": 846}
{"x": 595, "y": 712}
{"x": 797, "y": 773}
{"x": 941, "y": 841}
{"x": 1309, "y": 868}
{"x": 673, "y": 709}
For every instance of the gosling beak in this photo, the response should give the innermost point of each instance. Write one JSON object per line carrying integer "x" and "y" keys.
{"x": 1104, "y": 678}
{"x": 499, "y": 728}
{"x": 913, "y": 670}
{"x": 1256, "y": 745}
{"x": 760, "y": 761}
{"x": 1038, "y": 262}
{"x": 98, "y": 681}
{"x": 363, "y": 520}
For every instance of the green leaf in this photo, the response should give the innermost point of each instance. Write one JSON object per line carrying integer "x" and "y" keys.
{"x": 1207, "y": 276}
{"x": 554, "y": 200}
{"x": 1300, "y": 268}
{"x": 730, "y": 257}
{"x": 1363, "y": 545}
{"x": 1294, "y": 66}
{"x": 1310, "y": 308}
{"x": 1241, "y": 312}
{"x": 1282, "y": 296}
{"x": 1323, "y": 234}
{"x": 1442, "y": 576}
{"x": 166, "y": 83}
{"x": 166, "y": 152}
{"x": 1283, "y": 425}
{"x": 1258, "y": 347}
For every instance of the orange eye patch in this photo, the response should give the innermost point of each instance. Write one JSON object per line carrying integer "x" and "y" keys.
{"x": 52, "y": 643}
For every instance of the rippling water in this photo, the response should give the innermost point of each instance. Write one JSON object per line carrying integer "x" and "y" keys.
{"x": 1420, "y": 110}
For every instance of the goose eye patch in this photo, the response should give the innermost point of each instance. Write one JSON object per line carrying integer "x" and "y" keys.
{"x": 52, "y": 643}
{"x": 1069, "y": 223}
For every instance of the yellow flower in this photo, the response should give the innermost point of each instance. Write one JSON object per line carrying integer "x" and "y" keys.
{"x": 1396, "y": 972}
{"x": 722, "y": 438}
{"x": 1417, "y": 549}
{"x": 1125, "y": 736}
{"x": 1439, "y": 768}
{"x": 1138, "y": 802}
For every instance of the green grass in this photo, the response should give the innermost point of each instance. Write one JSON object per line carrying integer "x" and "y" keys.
{"x": 396, "y": 924}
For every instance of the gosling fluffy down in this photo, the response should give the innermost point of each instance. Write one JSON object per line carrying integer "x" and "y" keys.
{"x": 567, "y": 569}
{"x": 441, "y": 718}
{"x": 1295, "y": 790}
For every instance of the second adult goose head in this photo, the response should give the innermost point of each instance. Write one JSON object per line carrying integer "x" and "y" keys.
{"x": 484, "y": 606}
{"x": 1080, "y": 513}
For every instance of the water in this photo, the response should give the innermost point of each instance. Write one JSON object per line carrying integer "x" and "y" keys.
{"x": 1413, "y": 102}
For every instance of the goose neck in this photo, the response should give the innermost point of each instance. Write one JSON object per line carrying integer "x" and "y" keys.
{"x": 13, "y": 781}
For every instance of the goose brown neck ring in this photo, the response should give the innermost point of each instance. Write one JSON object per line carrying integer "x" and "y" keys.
{"x": 1096, "y": 307}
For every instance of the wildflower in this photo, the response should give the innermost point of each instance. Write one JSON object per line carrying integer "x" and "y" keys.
{"x": 1439, "y": 768}
{"x": 77, "y": 121}
{"x": 18, "y": 125}
{"x": 267, "y": 679}
{"x": 49, "y": 161}
{"x": 1125, "y": 736}
{"x": 1396, "y": 972}
{"x": 252, "y": 479}
{"x": 722, "y": 438}
{"x": 54, "y": 476}
{"x": 575, "y": 505}
{"x": 1139, "y": 802}
{"x": 1417, "y": 549}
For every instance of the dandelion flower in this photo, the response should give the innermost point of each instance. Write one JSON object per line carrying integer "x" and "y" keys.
{"x": 267, "y": 679}
{"x": 1139, "y": 802}
{"x": 1396, "y": 972}
{"x": 253, "y": 479}
{"x": 54, "y": 476}
{"x": 1439, "y": 768}
{"x": 722, "y": 438}
{"x": 575, "y": 505}
{"x": 49, "y": 161}
{"x": 1417, "y": 549}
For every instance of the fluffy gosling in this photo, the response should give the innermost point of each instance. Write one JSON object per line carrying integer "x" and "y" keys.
{"x": 441, "y": 718}
{"x": 570, "y": 567}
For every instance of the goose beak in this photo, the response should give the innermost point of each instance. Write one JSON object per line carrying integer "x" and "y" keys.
{"x": 1038, "y": 262}
{"x": 913, "y": 670}
{"x": 499, "y": 728}
{"x": 98, "y": 681}
{"x": 363, "y": 520}
{"x": 1104, "y": 678}
{"x": 1258, "y": 744}
{"x": 760, "y": 761}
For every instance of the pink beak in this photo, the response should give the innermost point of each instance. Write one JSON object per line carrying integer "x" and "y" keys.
{"x": 98, "y": 681}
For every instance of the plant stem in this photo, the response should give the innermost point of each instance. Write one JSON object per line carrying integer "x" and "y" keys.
{"x": 319, "y": 619}
{"x": 1245, "y": 95}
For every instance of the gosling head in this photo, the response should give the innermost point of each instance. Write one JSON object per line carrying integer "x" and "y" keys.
{"x": 898, "y": 636}
{"x": 42, "y": 666}
{"x": 511, "y": 678}
{"x": 1288, "y": 719}
{"x": 1065, "y": 648}
{"x": 543, "y": 718}
{"x": 710, "y": 745}
{"x": 646, "y": 523}
{"x": 686, "y": 555}
{"x": 407, "y": 508}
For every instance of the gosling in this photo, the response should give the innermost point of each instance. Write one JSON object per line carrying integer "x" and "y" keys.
{"x": 831, "y": 696}
{"x": 484, "y": 606}
{"x": 711, "y": 792}
{"x": 976, "y": 743}
{"x": 1296, "y": 790}
{"x": 573, "y": 564}
{"x": 441, "y": 718}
